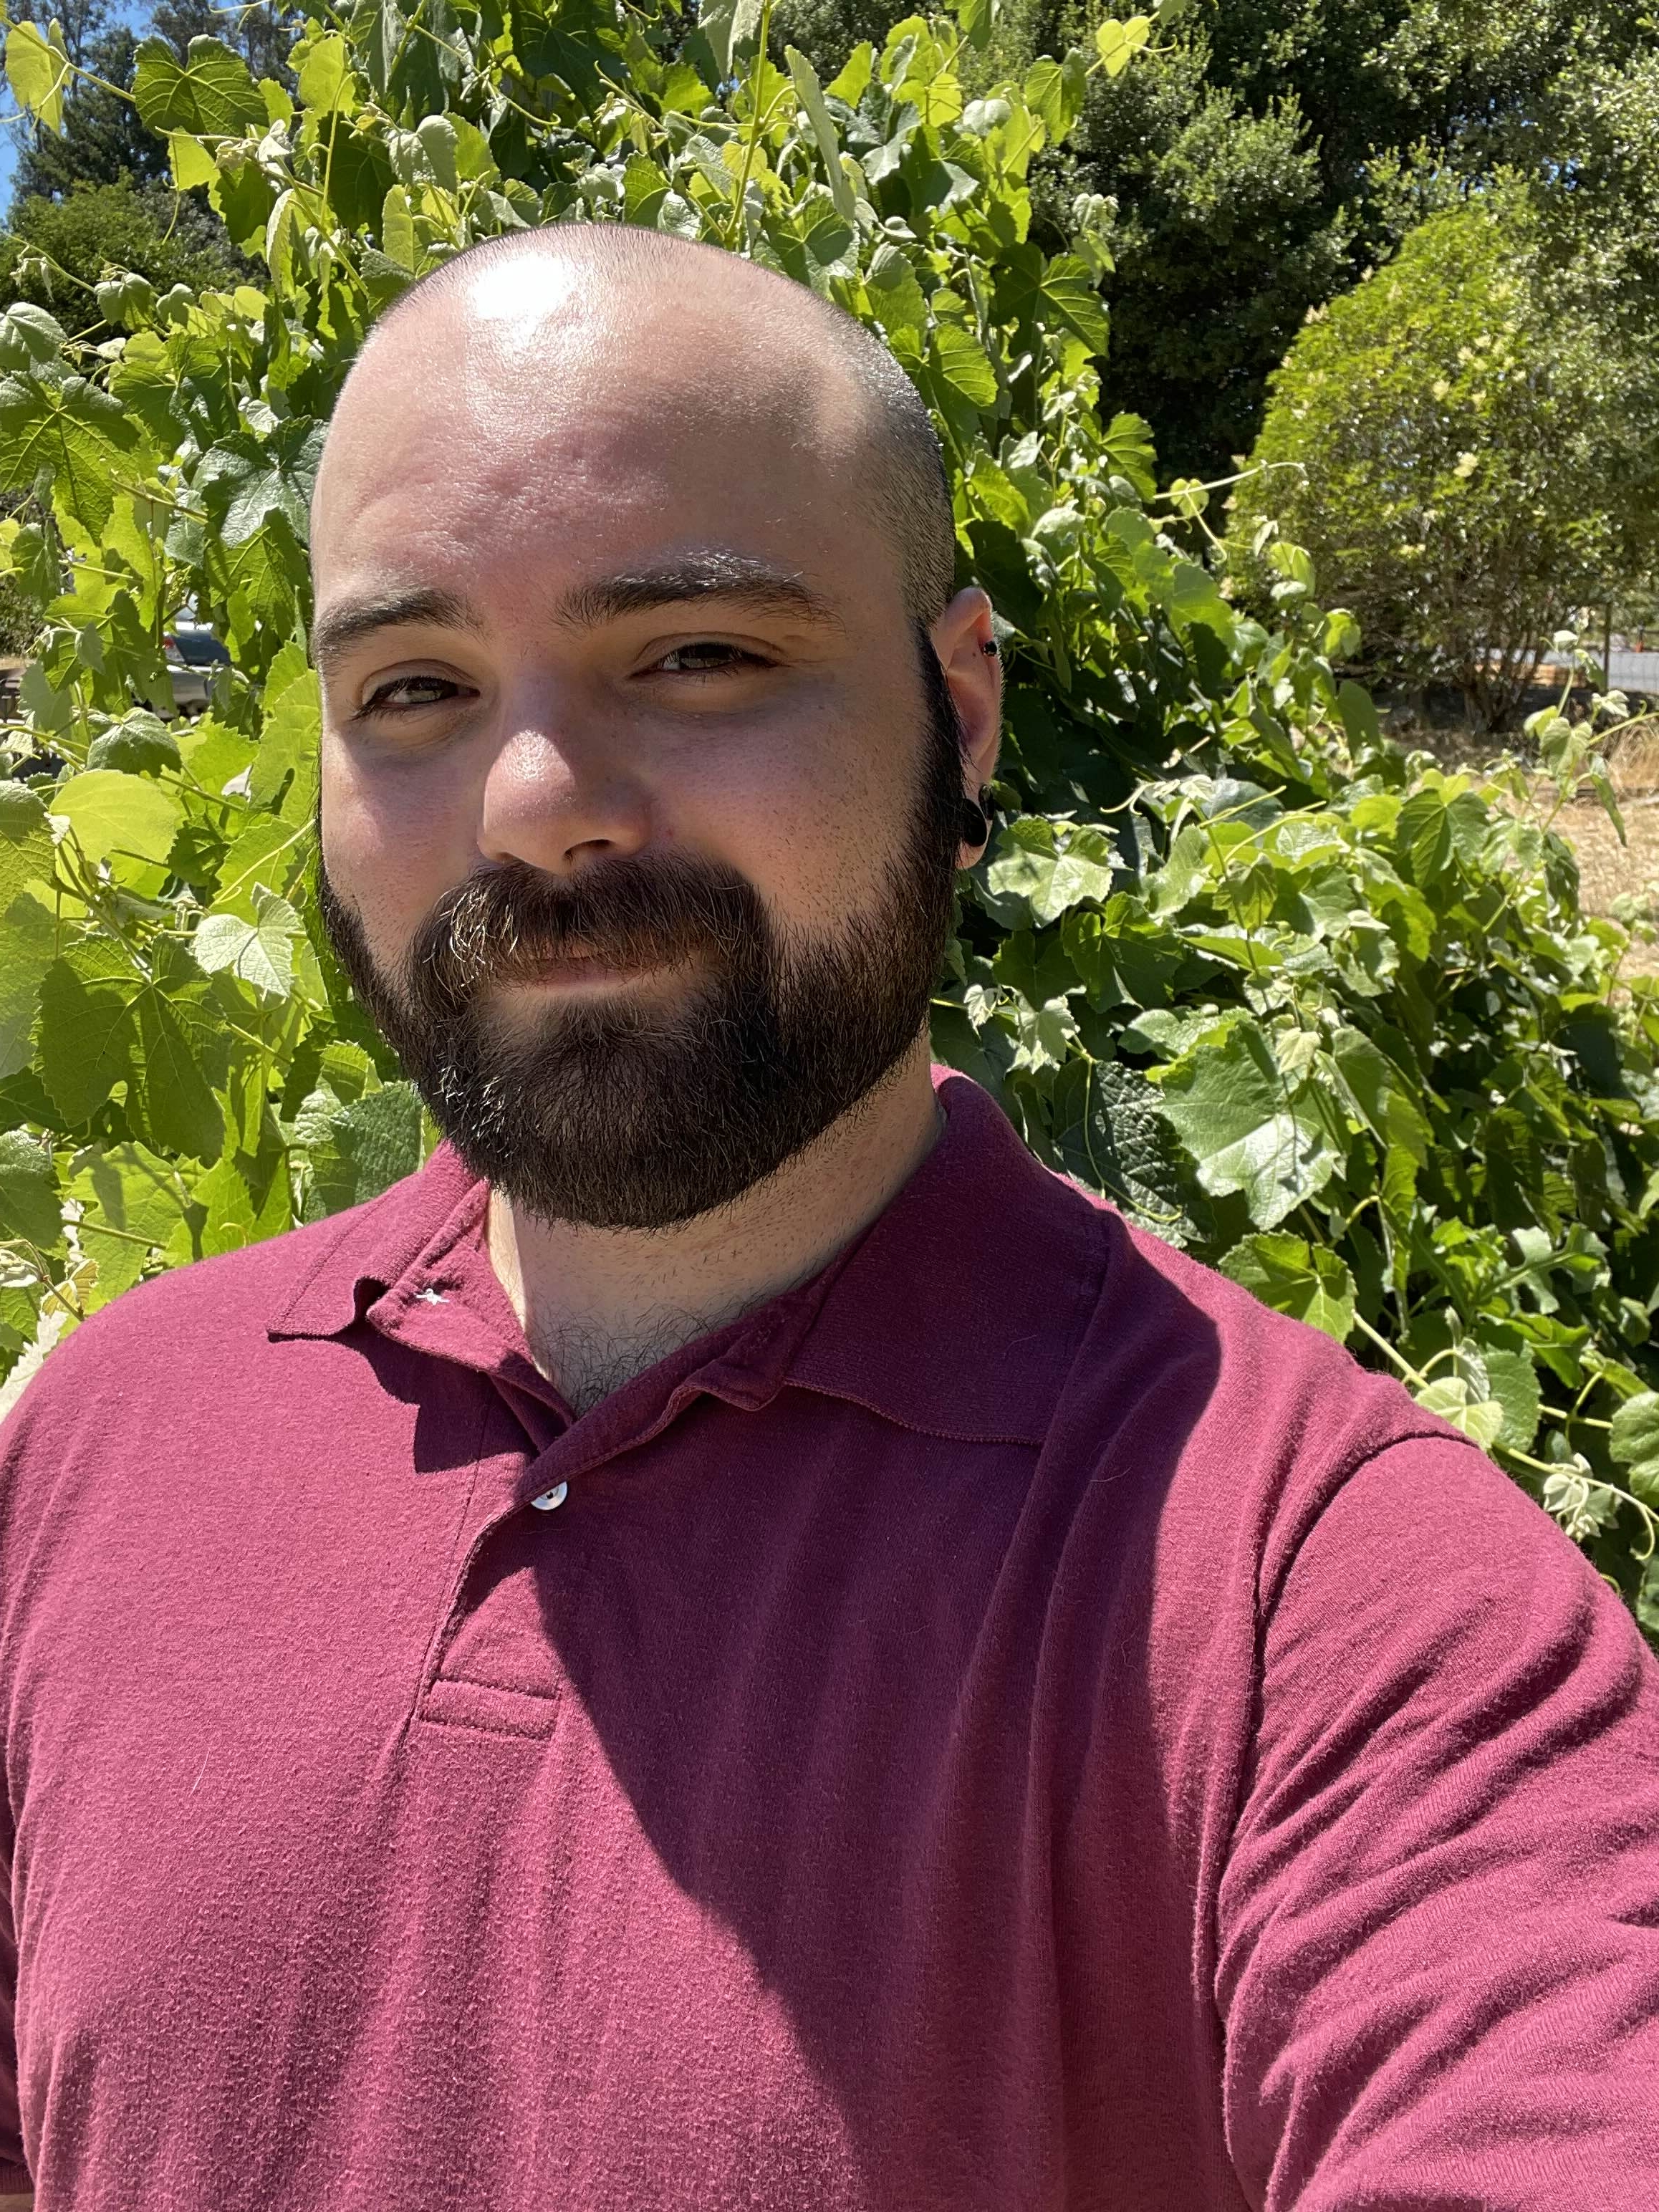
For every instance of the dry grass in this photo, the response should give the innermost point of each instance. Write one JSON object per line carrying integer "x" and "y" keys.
{"x": 1607, "y": 868}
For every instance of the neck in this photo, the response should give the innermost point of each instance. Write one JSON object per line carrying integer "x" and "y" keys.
{"x": 599, "y": 1306}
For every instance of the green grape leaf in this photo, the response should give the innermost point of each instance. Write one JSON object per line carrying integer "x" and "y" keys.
{"x": 895, "y": 297}
{"x": 259, "y": 952}
{"x": 1358, "y": 714}
{"x": 25, "y": 842}
{"x": 974, "y": 16}
{"x": 284, "y": 774}
{"x": 1062, "y": 295}
{"x": 132, "y": 1203}
{"x": 1634, "y": 1444}
{"x": 1050, "y": 883}
{"x": 177, "y": 1100}
{"x": 191, "y": 165}
{"x": 1286, "y": 1273}
{"x": 245, "y": 481}
{"x": 1003, "y": 567}
{"x": 1118, "y": 43}
{"x": 1512, "y": 1380}
{"x": 1128, "y": 445}
{"x": 809, "y": 92}
{"x": 269, "y": 855}
{"x": 727, "y": 25}
{"x": 30, "y": 1212}
{"x": 1481, "y": 1419}
{"x": 1232, "y": 1110}
{"x": 358, "y": 1150}
{"x": 961, "y": 363}
{"x": 1050, "y": 94}
{"x": 322, "y": 67}
{"x": 38, "y": 69}
{"x": 87, "y": 1031}
{"x": 33, "y": 332}
{"x": 1109, "y": 1134}
{"x": 228, "y": 1206}
{"x": 76, "y": 433}
{"x": 127, "y": 820}
{"x": 28, "y": 943}
{"x": 212, "y": 95}
{"x": 138, "y": 745}
{"x": 578, "y": 41}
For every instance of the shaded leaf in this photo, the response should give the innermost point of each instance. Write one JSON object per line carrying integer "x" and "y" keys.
{"x": 1286, "y": 1273}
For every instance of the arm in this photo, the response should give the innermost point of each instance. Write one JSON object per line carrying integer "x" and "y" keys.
{"x": 1439, "y": 1925}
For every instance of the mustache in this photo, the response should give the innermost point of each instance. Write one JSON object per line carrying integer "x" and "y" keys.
{"x": 504, "y": 925}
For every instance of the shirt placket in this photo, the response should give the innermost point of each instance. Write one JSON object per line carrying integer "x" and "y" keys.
{"x": 447, "y": 1309}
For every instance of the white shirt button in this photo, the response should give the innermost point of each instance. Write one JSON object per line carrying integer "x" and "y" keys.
{"x": 549, "y": 1499}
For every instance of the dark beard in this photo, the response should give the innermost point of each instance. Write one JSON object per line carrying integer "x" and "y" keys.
{"x": 630, "y": 1116}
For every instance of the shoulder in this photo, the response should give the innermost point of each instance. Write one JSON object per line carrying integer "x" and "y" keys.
{"x": 164, "y": 1341}
{"x": 1232, "y": 1427}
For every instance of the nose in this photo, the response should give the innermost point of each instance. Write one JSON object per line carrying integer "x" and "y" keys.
{"x": 559, "y": 793}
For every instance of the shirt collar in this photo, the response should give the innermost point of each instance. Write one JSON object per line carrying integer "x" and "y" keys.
{"x": 957, "y": 1313}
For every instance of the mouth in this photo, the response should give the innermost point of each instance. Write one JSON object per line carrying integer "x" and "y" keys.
{"x": 581, "y": 973}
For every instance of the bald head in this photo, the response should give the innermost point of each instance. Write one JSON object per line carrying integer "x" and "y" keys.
{"x": 709, "y": 335}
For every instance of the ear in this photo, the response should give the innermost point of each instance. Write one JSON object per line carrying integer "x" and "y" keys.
{"x": 965, "y": 642}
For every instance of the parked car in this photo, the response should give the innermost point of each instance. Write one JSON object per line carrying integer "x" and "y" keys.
{"x": 192, "y": 653}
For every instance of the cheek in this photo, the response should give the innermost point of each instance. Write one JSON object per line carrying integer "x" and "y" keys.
{"x": 813, "y": 809}
{"x": 391, "y": 846}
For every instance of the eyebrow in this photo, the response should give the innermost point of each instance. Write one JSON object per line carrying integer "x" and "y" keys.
{"x": 353, "y": 619}
{"x": 684, "y": 578}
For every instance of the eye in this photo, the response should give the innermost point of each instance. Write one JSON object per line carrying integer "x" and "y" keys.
{"x": 707, "y": 656}
{"x": 405, "y": 695}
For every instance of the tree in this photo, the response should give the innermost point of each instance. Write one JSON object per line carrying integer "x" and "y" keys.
{"x": 58, "y": 251}
{"x": 1225, "y": 230}
{"x": 1264, "y": 152}
{"x": 1279, "y": 148}
{"x": 1467, "y": 451}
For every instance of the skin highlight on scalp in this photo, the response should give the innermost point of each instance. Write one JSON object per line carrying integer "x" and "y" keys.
{"x": 805, "y": 357}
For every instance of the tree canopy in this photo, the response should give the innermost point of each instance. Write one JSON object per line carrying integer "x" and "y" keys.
{"x": 1263, "y": 153}
{"x": 1468, "y": 451}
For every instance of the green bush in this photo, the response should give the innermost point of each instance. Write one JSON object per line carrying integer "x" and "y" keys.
{"x": 1469, "y": 451}
{"x": 1311, "y": 1008}
{"x": 57, "y": 252}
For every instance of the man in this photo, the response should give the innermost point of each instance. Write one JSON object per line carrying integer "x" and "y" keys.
{"x": 733, "y": 1642}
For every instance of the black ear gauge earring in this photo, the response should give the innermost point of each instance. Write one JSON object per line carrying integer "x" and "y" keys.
{"x": 975, "y": 822}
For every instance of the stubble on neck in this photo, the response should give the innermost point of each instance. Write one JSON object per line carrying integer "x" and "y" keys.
{"x": 599, "y": 1306}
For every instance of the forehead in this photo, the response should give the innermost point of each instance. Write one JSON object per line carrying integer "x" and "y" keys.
{"x": 532, "y": 448}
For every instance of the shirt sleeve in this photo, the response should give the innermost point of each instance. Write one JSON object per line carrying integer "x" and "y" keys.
{"x": 1439, "y": 1928}
{"x": 14, "y": 2178}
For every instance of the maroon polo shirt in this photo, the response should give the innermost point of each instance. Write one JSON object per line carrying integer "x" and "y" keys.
{"x": 1012, "y": 1724}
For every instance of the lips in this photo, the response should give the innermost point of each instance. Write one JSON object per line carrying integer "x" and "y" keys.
{"x": 514, "y": 926}
{"x": 581, "y": 963}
